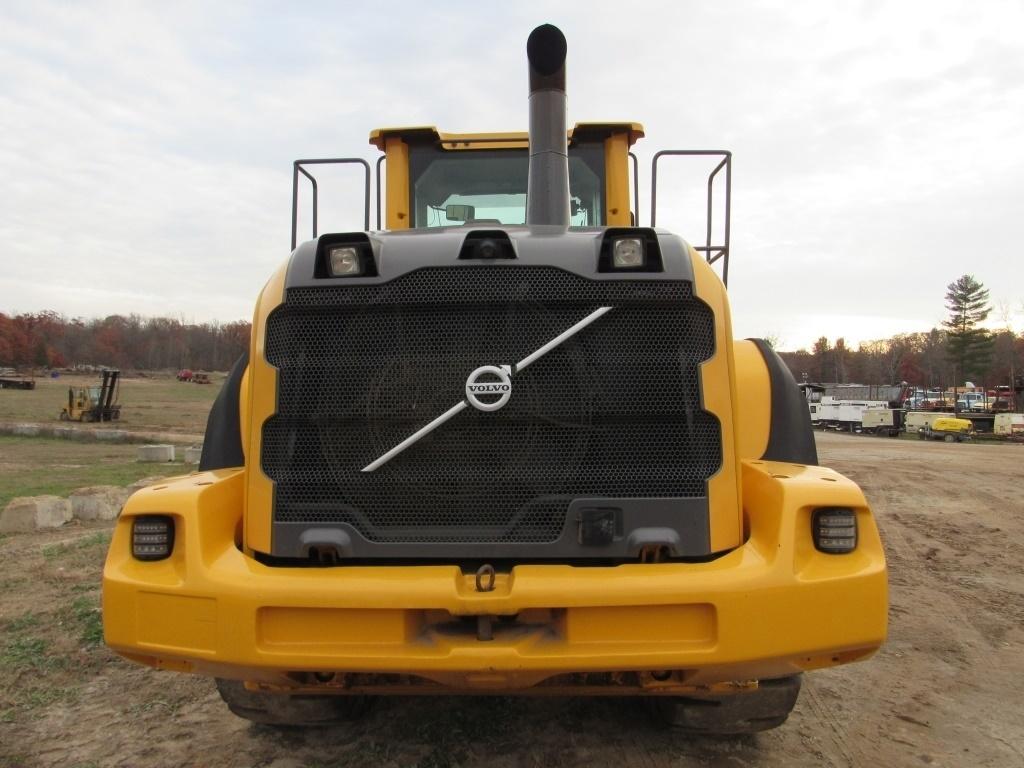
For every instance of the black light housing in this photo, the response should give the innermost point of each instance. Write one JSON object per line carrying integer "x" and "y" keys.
{"x": 152, "y": 537}
{"x": 487, "y": 244}
{"x": 834, "y": 530}
{"x": 352, "y": 249}
{"x": 631, "y": 240}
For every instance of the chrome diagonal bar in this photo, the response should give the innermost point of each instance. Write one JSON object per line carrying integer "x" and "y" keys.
{"x": 462, "y": 405}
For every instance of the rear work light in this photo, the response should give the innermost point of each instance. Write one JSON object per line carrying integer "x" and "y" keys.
{"x": 630, "y": 249}
{"x": 344, "y": 262}
{"x": 834, "y": 530}
{"x": 628, "y": 253}
{"x": 347, "y": 254}
{"x": 152, "y": 537}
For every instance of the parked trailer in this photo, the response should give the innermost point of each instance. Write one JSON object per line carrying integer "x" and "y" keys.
{"x": 981, "y": 422}
{"x": 1008, "y": 424}
{"x": 6, "y": 383}
{"x": 951, "y": 430}
{"x": 883, "y": 421}
{"x": 845, "y": 415}
{"x": 837, "y": 407}
{"x": 917, "y": 420}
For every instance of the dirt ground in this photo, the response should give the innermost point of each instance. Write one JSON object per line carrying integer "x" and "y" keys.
{"x": 945, "y": 689}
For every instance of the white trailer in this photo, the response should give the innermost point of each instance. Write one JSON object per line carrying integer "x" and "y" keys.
{"x": 1008, "y": 424}
{"x": 883, "y": 421}
{"x": 844, "y": 414}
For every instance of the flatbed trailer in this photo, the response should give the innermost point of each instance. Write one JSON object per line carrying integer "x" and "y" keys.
{"x": 8, "y": 383}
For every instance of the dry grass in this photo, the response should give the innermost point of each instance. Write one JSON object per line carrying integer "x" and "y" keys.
{"x": 52, "y": 642}
{"x": 157, "y": 403}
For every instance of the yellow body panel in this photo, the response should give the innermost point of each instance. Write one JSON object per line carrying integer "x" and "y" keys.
{"x": 724, "y": 492}
{"x": 753, "y": 400}
{"x": 498, "y": 139}
{"x": 260, "y": 395}
{"x": 397, "y": 166}
{"x": 616, "y": 163}
{"x": 772, "y": 607}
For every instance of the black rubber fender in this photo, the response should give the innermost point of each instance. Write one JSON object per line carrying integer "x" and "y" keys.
{"x": 222, "y": 445}
{"x": 791, "y": 436}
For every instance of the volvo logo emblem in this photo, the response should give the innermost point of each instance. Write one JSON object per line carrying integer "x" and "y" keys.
{"x": 489, "y": 381}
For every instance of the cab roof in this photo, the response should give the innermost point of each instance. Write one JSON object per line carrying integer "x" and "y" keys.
{"x": 509, "y": 140}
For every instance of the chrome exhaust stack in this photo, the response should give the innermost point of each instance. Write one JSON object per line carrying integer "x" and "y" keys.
{"x": 547, "y": 190}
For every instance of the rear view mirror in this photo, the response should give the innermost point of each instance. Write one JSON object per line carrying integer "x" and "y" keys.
{"x": 460, "y": 212}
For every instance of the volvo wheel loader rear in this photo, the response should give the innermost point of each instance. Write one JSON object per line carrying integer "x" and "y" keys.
{"x": 505, "y": 444}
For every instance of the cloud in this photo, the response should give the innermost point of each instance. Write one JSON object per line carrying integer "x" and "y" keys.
{"x": 145, "y": 149}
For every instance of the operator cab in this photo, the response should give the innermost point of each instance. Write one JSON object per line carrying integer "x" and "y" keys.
{"x": 439, "y": 179}
{"x": 426, "y": 179}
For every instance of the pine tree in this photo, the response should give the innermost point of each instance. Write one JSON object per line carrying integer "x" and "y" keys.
{"x": 968, "y": 346}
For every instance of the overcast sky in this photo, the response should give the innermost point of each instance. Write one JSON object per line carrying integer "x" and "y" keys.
{"x": 146, "y": 148}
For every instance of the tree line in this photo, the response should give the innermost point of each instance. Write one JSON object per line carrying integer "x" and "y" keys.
{"x": 961, "y": 350}
{"x": 50, "y": 340}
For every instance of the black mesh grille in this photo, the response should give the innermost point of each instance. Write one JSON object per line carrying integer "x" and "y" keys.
{"x": 614, "y": 411}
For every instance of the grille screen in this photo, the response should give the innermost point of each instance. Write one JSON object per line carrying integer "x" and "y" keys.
{"x": 614, "y": 411}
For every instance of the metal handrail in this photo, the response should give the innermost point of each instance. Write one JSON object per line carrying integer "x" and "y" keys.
{"x": 712, "y": 253}
{"x": 297, "y": 168}
{"x": 380, "y": 162}
{"x": 636, "y": 190}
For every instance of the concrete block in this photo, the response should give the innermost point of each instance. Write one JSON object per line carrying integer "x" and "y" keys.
{"x": 98, "y": 502}
{"x": 26, "y": 430}
{"x": 156, "y": 453}
{"x": 29, "y": 513}
{"x": 193, "y": 454}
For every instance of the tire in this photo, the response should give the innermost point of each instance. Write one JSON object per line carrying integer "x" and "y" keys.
{"x": 64, "y": 416}
{"x": 731, "y": 714}
{"x": 949, "y": 439}
{"x": 281, "y": 709}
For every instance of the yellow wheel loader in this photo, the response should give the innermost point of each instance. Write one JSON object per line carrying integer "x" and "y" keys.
{"x": 504, "y": 444}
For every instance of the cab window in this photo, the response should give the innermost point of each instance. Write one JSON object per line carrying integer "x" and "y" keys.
{"x": 453, "y": 187}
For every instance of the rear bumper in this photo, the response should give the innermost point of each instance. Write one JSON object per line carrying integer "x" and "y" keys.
{"x": 773, "y": 607}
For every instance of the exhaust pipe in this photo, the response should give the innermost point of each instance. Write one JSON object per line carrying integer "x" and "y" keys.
{"x": 547, "y": 187}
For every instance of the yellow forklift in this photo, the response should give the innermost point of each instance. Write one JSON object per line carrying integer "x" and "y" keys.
{"x": 94, "y": 403}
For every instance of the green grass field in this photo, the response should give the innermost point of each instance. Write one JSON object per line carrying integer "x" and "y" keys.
{"x": 33, "y": 466}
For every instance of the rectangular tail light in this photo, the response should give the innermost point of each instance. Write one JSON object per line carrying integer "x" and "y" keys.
{"x": 835, "y": 530}
{"x": 152, "y": 537}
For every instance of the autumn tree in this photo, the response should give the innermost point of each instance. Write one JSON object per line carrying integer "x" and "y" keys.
{"x": 822, "y": 357}
{"x": 839, "y": 361}
{"x": 968, "y": 346}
